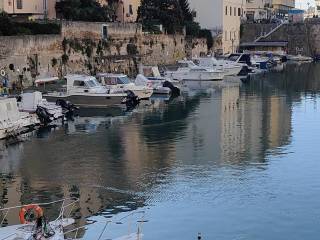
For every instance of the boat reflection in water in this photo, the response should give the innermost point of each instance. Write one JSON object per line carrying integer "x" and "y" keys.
{"x": 202, "y": 162}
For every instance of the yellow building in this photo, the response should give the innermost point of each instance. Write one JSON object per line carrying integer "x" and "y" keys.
{"x": 32, "y": 9}
{"x": 222, "y": 17}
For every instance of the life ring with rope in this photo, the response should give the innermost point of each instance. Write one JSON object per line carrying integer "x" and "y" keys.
{"x": 3, "y": 73}
{"x": 24, "y": 210}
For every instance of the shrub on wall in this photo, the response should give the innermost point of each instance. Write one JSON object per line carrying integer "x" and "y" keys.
{"x": 10, "y": 28}
{"x": 132, "y": 49}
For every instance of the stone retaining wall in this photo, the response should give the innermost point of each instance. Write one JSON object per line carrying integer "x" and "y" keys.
{"x": 81, "y": 48}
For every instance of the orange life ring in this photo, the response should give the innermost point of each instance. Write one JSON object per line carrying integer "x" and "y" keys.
{"x": 38, "y": 210}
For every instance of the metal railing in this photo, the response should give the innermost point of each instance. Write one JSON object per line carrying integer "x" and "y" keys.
{"x": 60, "y": 217}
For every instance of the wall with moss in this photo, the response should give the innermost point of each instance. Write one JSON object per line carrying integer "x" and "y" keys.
{"x": 80, "y": 48}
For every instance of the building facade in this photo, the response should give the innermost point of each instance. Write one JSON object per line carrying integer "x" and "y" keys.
{"x": 317, "y": 7}
{"x": 258, "y": 9}
{"x": 30, "y": 9}
{"x": 126, "y": 10}
{"x": 221, "y": 17}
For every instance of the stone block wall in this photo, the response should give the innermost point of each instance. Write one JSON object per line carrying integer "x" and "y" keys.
{"x": 251, "y": 31}
{"x": 94, "y": 29}
{"x": 81, "y": 49}
{"x": 302, "y": 38}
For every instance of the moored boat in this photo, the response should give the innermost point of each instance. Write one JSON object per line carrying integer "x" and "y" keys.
{"x": 150, "y": 76}
{"x": 85, "y": 91}
{"x": 13, "y": 122}
{"x": 228, "y": 67}
{"x": 34, "y": 224}
{"x": 34, "y": 103}
{"x": 299, "y": 58}
{"x": 189, "y": 71}
{"x": 120, "y": 83}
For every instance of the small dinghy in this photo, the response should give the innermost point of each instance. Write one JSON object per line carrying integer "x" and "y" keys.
{"x": 34, "y": 225}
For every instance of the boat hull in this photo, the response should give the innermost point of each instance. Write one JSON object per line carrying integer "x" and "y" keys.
{"x": 142, "y": 94}
{"x": 208, "y": 76}
{"x": 232, "y": 71}
{"x": 88, "y": 101}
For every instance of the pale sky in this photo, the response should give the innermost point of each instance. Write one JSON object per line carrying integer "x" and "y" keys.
{"x": 303, "y": 3}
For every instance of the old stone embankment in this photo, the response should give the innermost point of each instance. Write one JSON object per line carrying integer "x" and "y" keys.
{"x": 301, "y": 37}
{"x": 89, "y": 48}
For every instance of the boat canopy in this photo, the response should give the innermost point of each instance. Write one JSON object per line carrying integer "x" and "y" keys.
{"x": 45, "y": 80}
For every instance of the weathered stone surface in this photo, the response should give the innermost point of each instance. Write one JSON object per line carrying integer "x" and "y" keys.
{"x": 81, "y": 49}
{"x": 302, "y": 38}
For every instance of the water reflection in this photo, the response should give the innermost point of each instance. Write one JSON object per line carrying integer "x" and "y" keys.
{"x": 207, "y": 146}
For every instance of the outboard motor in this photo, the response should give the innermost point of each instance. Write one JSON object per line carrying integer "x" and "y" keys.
{"x": 131, "y": 100}
{"x": 284, "y": 59}
{"x": 244, "y": 71}
{"x": 44, "y": 116}
{"x": 68, "y": 108}
{"x": 174, "y": 90}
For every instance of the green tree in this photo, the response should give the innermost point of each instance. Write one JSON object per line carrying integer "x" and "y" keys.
{"x": 165, "y": 12}
{"x": 185, "y": 8}
{"x": 6, "y": 25}
{"x": 86, "y": 10}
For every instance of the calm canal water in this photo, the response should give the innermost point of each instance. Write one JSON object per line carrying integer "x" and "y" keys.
{"x": 232, "y": 162}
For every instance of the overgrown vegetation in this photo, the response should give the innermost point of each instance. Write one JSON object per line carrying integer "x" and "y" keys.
{"x": 10, "y": 28}
{"x": 87, "y": 10}
{"x": 174, "y": 16}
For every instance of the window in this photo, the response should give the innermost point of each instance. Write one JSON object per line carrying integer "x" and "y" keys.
{"x": 92, "y": 83}
{"x": 230, "y": 11}
{"x": 123, "y": 80}
{"x": 111, "y": 81}
{"x": 233, "y": 57}
{"x": 235, "y": 11}
{"x": 44, "y": 5}
{"x": 19, "y": 4}
{"x": 130, "y": 10}
{"x": 239, "y": 12}
{"x": 230, "y": 35}
{"x": 104, "y": 31}
{"x": 9, "y": 3}
{"x": 226, "y": 10}
{"x": 225, "y": 35}
{"x": 78, "y": 83}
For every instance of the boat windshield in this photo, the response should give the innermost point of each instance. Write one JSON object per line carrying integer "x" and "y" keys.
{"x": 233, "y": 58}
{"x": 123, "y": 80}
{"x": 188, "y": 64}
{"x": 92, "y": 83}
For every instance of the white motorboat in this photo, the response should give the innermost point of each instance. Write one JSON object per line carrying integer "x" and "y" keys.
{"x": 150, "y": 76}
{"x": 155, "y": 83}
{"x": 39, "y": 227}
{"x": 34, "y": 103}
{"x": 13, "y": 122}
{"x": 85, "y": 91}
{"x": 120, "y": 83}
{"x": 189, "y": 71}
{"x": 299, "y": 58}
{"x": 229, "y": 68}
{"x": 243, "y": 58}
